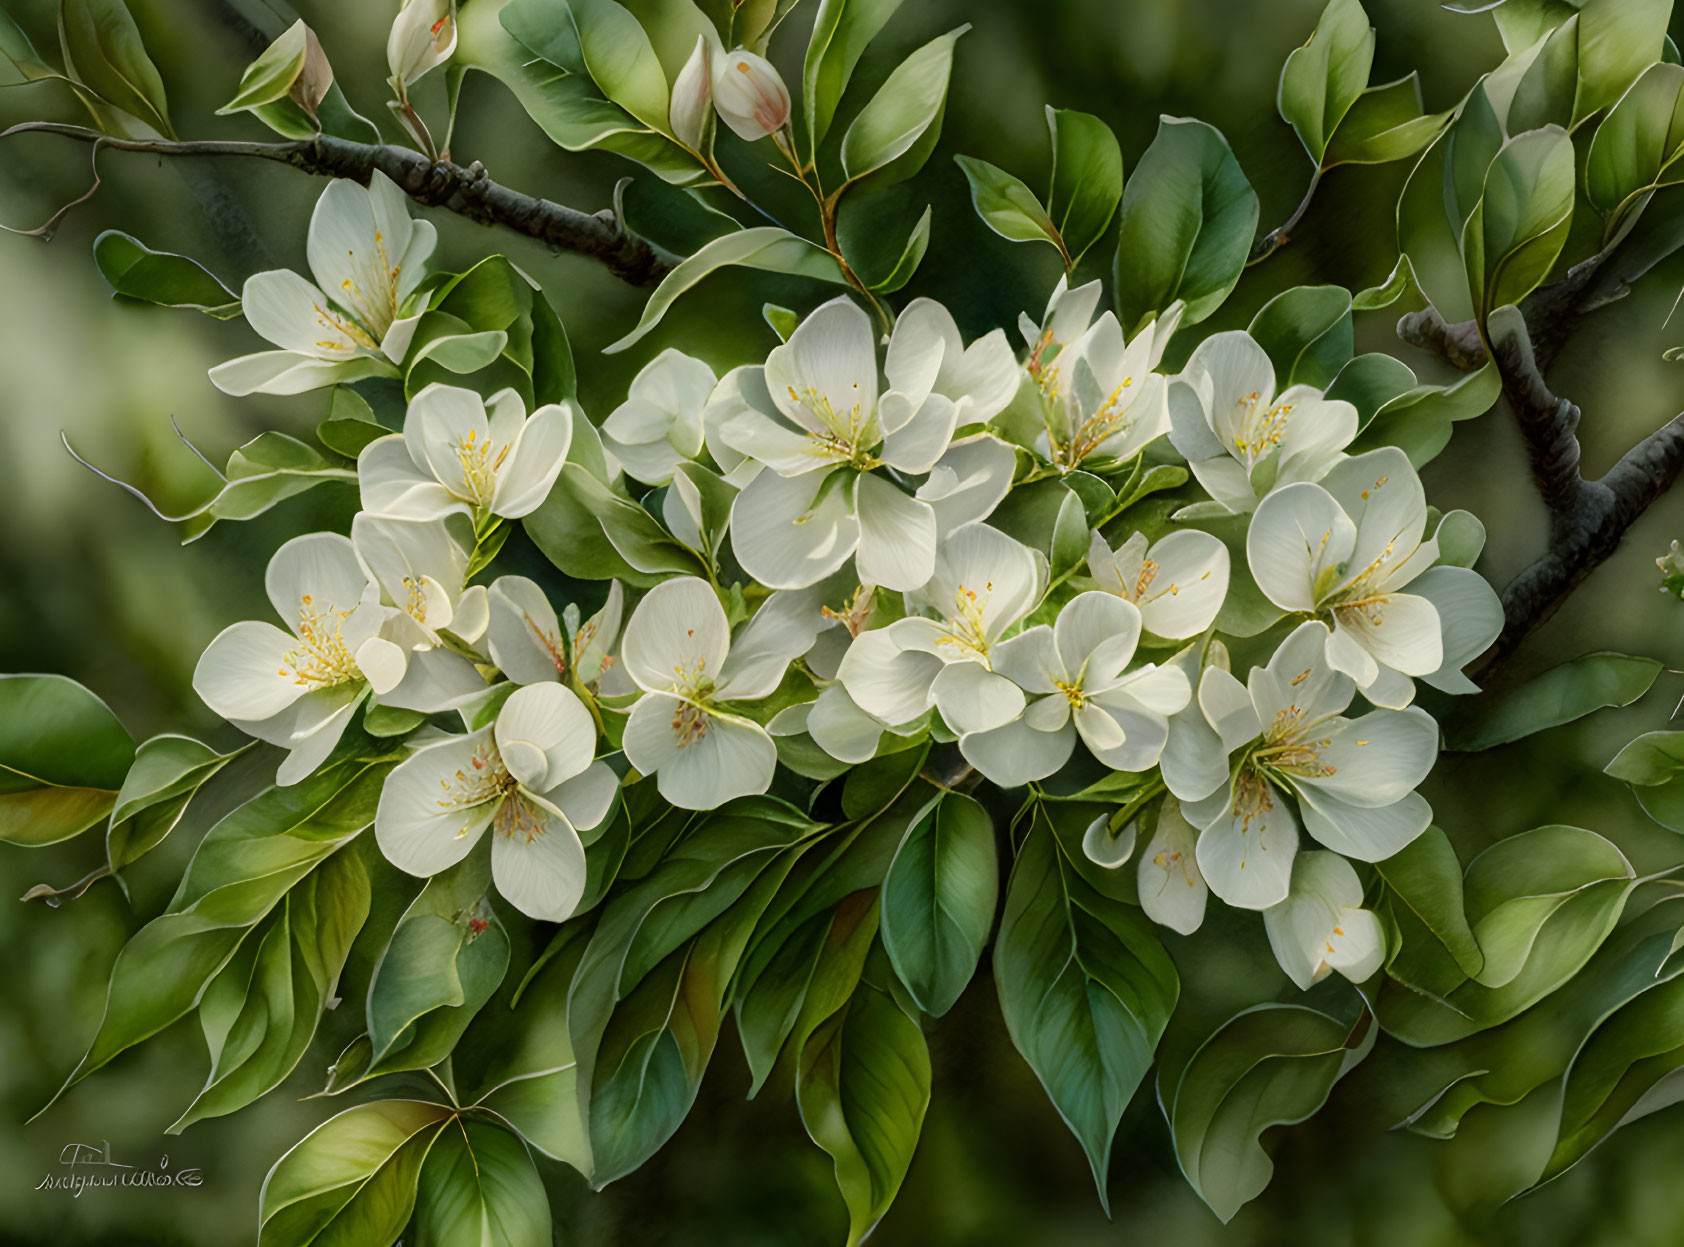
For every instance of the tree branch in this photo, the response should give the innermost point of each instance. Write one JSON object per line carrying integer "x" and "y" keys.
{"x": 1588, "y": 518}
{"x": 467, "y": 192}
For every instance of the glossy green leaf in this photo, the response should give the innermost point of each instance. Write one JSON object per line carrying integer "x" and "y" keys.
{"x": 1006, "y": 205}
{"x": 350, "y": 425}
{"x": 103, "y": 51}
{"x": 351, "y": 1181}
{"x": 1618, "y": 40}
{"x": 1559, "y": 695}
{"x": 271, "y": 76}
{"x": 841, "y": 31}
{"x": 1438, "y": 950}
{"x": 63, "y": 758}
{"x": 260, "y": 1016}
{"x": 938, "y": 900}
{"x": 1520, "y": 225}
{"x": 1273, "y": 1065}
{"x": 167, "y": 771}
{"x": 608, "y": 42}
{"x": 863, "y": 1086}
{"x": 267, "y": 470}
{"x": 1086, "y": 990}
{"x": 1383, "y": 124}
{"x": 1321, "y": 80}
{"x": 479, "y": 1188}
{"x": 1087, "y": 178}
{"x": 135, "y": 271}
{"x": 1188, "y": 219}
{"x": 1307, "y": 332}
{"x": 1637, "y": 146}
{"x": 911, "y": 256}
{"x": 765, "y": 247}
{"x": 893, "y": 134}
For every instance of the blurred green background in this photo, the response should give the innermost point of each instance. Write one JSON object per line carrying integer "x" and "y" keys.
{"x": 95, "y": 588}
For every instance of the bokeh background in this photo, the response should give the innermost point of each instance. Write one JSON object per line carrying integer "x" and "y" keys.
{"x": 94, "y": 587}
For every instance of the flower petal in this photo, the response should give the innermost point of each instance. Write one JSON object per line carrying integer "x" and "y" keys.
{"x": 1172, "y": 891}
{"x": 1471, "y": 616}
{"x": 972, "y": 698}
{"x": 826, "y": 374}
{"x": 1376, "y": 759}
{"x": 425, "y": 824}
{"x": 677, "y": 634}
{"x": 730, "y": 758}
{"x": 792, "y": 532}
{"x": 391, "y": 484}
{"x": 542, "y": 874}
{"x": 1015, "y": 754}
{"x": 969, "y": 481}
{"x": 1364, "y": 832}
{"x": 246, "y": 672}
{"x": 551, "y": 718}
{"x": 1188, "y": 587}
{"x": 1298, "y": 539}
{"x": 315, "y": 577}
{"x": 886, "y": 681}
{"x": 897, "y": 542}
{"x": 1246, "y": 855}
{"x": 284, "y": 372}
{"x": 587, "y": 797}
{"x": 535, "y": 459}
{"x": 523, "y": 634}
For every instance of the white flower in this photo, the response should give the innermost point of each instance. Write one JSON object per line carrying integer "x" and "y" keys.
{"x": 530, "y": 645}
{"x": 1068, "y": 314}
{"x": 1241, "y": 438}
{"x": 529, "y": 777}
{"x": 1322, "y": 926}
{"x": 984, "y": 582}
{"x": 422, "y": 570}
{"x": 1102, "y": 401}
{"x": 459, "y": 454}
{"x": 678, "y": 649}
{"x": 840, "y": 452}
{"x": 1179, "y": 584}
{"x": 660, "y": 423}
{"x": 1194, "y": 763}
{"x": 1345, "y": 550}
{"x": 1172, "y": 891}
{"x": 422, "y": 38}
{"x": 1077, "y": 673}
{"x": 750, "y": 96}
{"x": 1354, "y": 779}
{"x": 692, "y": 93}
{"x": 299, "y": 688}
{"x": 368, "y": 257}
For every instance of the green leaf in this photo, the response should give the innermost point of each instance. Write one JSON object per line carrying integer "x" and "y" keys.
{"x": 1385, "y": 123}
{"x": 259, "y": 1018}
{"x": 1321, "y": 80}
{"x": 564, "y": 102}
{"x": 350, "y": 425}
{"x": 1439, "y": 950}
{"x": 1387, "y": 292}
{"x": 938, "y": 900}
{"x": 602, "y": 38}
{"x": 63, "y": 758}
{"x": 352, "y": 1179}
{"x": 893, "y": 134}
{"x": 841, "y": 31}
{"x": 1188, "y": 219}
{"x": 765, "y": 247}
{"x": 1307, "y": 333}
{"x": 1559, "y": 695}
{"x": 1007, "y": 206}
{"x": 20, "y": 53}
{"x": 135, "y": 271}
{"x": 1273, "y": 1065}
{"x": 446, "y": 958}
{"x": 863, "y": 1087}
{"x": 270, "y": 77}
{"x": 1520, "y": 224}
{"x": 1087, "y": 177}
{"x": 1086, "y": 990}
{"x": 1618, "y": 40}
{"x": 269, "y": 469}
{"x": 479, "y": 1187}
{"x": 103, "y": 51}
{"x": 1540, "y": 904}
{"x": 1653, "y": 758}
{"x": 167, "y": 771}
{"x": 911, "y": 256}
{"x": 239, "y": 873}
{"x": 1637, "y": 146}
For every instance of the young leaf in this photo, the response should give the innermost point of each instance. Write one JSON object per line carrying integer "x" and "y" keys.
{"x": 1307, "y": 332}
{"x": 1007, "y": 206}
{"x": 1559, "y": 695}
{"x": 478, "y": 1185}
{"x": 103, "y": 51}
{"x": 1188, "y": 219}
{"x": 1087, "y": 178}
{"x": 841, "y": 31}
{"x": 135, "y": 271}
{"x": 938, "y": 900}
{"x": 352, "y": 1179}
{"x": 605, "y": 40}
{"x": 1637, "y": 146}
{"x": 63, "y": 759}
{"x": 167, "y": 771}
{"x": 1511, "y": 241}
{"x": 895, "y": 131}
{"x": 1321, "y": 80}
{"x": 765, "y": 247}
{"x": 1385, "y": 123}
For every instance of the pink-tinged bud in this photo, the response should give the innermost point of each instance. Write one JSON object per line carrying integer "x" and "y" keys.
{"x": 749, "y": 96}
{"x": 692, "y": 94}
{"x": 422, "y": 38}
{"x": 315, "y": 78}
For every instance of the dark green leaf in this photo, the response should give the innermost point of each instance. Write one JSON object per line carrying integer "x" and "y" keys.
{"x": 1559, "y": 695}
{"x": 63, "y": 758}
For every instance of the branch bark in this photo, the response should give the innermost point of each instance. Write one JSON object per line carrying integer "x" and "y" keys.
{"x": 1588, "y": 518}
{"x": 465, "y": 191}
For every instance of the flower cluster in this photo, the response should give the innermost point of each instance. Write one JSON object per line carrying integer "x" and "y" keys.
{"x": 871, "y": 577}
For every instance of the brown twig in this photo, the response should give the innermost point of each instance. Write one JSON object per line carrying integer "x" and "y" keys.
{"x": 465, "y": 191}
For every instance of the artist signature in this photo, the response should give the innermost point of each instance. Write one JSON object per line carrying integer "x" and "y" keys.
{"x": 87, "y": 1166}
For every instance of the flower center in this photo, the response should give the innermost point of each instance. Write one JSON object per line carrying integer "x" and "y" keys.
{"x": 550, "y": 643}
{"x": 838, "y": 437}
{"x": 855, "y": 613}
{"x": 321, "y": 658}
{"x": 689, "y": 723}
{"x": 485, "y": 778}
{"x": 481, "y": 460}
{"x": 1111, "y": 418}
{"x": 1261, "y": 427}
{"x": 966, "y": 625}
{"x": 516, "y": 816}
{"x": 1287, "y": 749}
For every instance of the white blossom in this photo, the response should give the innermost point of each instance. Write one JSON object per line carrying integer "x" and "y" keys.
{"x": 1179, "y": 583}
{"x": 1321, "y": 925}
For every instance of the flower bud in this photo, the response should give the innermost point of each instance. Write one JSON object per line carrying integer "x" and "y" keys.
{"x": 315, "y": 77}
{"x": 749, "y": 95}
{"x": 692, "y": 92}
{"x": 422, "y": 38}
